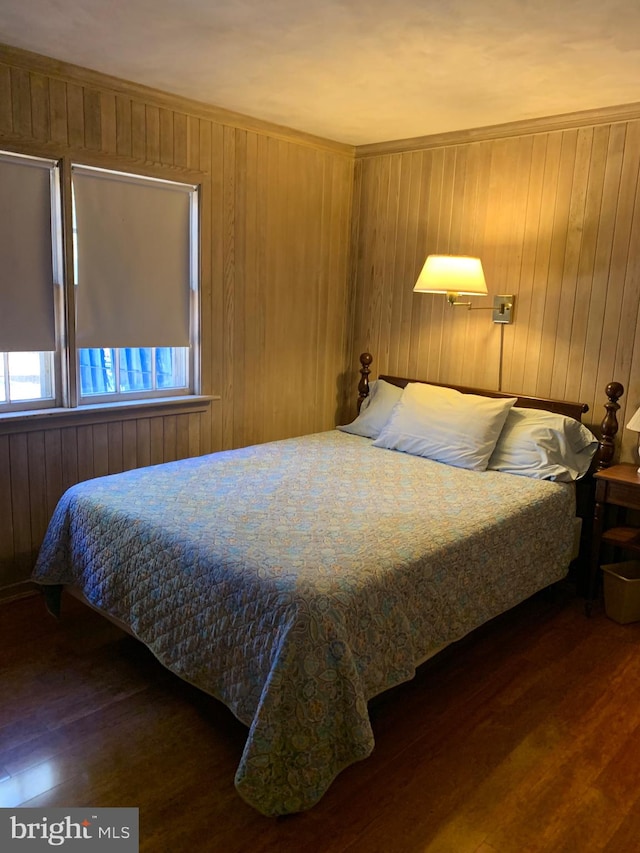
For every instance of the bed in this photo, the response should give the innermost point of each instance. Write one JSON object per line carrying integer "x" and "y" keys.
{"x": 296, "y": 580}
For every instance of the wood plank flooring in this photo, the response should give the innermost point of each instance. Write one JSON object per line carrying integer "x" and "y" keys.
{"x": 525, "y": 736}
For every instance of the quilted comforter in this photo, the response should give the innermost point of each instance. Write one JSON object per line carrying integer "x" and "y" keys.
{"x": 298, "y": 579}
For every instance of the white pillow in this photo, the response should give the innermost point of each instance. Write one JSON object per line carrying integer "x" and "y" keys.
{"x": 375, "y": 409}
{"x": 540, "y": 444}
{"x": 446, "y": 425}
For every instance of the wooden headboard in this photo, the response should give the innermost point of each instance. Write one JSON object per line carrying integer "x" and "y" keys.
{"x": 609, "y": 426}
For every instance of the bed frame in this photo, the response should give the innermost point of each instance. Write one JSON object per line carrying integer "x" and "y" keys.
{"x": 608, "y": 428}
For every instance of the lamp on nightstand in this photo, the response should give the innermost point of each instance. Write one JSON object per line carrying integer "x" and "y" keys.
{"x": 634, "y": 425}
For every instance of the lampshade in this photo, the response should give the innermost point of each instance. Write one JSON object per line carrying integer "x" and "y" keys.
{"x": 452, "y": 274}
{"x": 634, "y": 423}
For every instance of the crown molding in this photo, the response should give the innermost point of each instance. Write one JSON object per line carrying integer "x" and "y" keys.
{"x": 565, "y": 121}
{"x": 68, "y": 72}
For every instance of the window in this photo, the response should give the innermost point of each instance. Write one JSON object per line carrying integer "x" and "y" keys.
{"x": 133, "y": 291}
{"x": 132, "y": 370}
{"x": 30, "y": 281}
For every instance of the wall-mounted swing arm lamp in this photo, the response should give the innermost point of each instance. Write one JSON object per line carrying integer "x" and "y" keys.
{"x": 460, "y": 275}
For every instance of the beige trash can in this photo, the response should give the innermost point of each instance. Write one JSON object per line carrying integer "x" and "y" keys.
{"x": 622, "y": 591}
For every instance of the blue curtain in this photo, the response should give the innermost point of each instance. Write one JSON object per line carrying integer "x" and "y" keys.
{"x": 97, "y": 370}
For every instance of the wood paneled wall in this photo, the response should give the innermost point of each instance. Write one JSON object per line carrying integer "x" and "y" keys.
{"x": 296, "y": 283}
{"x": 275, "y": 244}
{"x": 555, "y": 218}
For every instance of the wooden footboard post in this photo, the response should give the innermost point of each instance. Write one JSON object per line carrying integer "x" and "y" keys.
{"x": 363, "y": 386}
{"x": 609, "y": 426}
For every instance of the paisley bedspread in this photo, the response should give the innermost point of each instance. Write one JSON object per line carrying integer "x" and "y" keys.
{"x": 298, "y": 579}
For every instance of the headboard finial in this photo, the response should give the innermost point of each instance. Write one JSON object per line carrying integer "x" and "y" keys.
{"x": 363, "y": 386}
{"x": 609, "y": 426}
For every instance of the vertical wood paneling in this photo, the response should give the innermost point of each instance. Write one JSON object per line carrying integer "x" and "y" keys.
{"x": 6, "y": 114}
{"x": 75, "y": 115}
{"x": 430, "y": 346}
{"x": 553, "y": 325}
{"x": 182, "y": 436}
{"x": 555, "y": 217}
{"x": 40, "y": 109}
{"x": 58, "y": 107}
{"x": 123, "y": 126}
{"x": 166, "y": 137}
{"x": 235, "y": 292}
{"x": 115, "y": 447}
{"x": 252, "y": 318}
{"x": 156, "y": 441}
{"x": 628, "y": 349}
{"x": 21, "y": 101}
{"x": 597, "y": 347}
{"x": 21, "y": 545}
{"x": 69, "y": 457}
{"x": 6, "y": 512}
{"x": 516, "y": 254}
{"x": 418, "y": 305}
{"x": 129, "y": 445}
{"x": 152, "y": 116}
{"x": 37, "y": 487}
{"x": 84, "y": 435}
{"x": 275, "y": 218}
{"x": 138, "y": 130}
{"x": 92, "y": 120}
{"x": 100, "y": 449}
{"x": 194, "y": 436}
{"x": 323, "y": 331}
{"x": 143, "y": 442}
{"x": 228, "y": 282}
{"x": 620, "y": 321}
{"x": 526, "y": 293}
{"x": 108, "y": 123}
{"x": 193, "y": 142}
{"x": 258, "y": 371}
{"x": 180, "y": 141}
{"x": 169, "y": 438}
{"x": 53, "y": 469}
{"x": 211, "y": 321}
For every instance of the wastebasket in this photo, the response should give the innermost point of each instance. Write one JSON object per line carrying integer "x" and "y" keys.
{"x": 622, "y": 591}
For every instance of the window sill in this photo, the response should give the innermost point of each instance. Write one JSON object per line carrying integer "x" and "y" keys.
{"x": 29, "y": 421}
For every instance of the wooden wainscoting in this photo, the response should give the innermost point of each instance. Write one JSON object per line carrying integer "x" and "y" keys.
{"x": 275, "y": 222}
{"x": 38, "y": 465}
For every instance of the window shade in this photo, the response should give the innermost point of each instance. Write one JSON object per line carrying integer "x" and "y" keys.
{"x": 27, "y": 320}
{"x": 133, "y": 260}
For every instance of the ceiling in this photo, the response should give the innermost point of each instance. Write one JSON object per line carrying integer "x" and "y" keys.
{"x": 355, "y": 71}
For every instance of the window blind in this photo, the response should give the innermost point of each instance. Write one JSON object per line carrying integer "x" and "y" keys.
{"x": 133, "y": 265}
{"x": 27, "y": 319}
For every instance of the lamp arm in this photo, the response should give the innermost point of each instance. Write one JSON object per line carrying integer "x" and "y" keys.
{"x": 452, "y": 298}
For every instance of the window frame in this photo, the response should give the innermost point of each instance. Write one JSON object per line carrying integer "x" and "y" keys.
{"x": 67, "y": 400}
{"x": 55, "y": 357}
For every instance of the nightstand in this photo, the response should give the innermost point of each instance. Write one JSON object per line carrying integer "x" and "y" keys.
{"x": 618, "y": 486}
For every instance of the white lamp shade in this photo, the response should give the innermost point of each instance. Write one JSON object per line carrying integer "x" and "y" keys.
{"x": 634, "y": 423}
{"x": 452, "y": 274}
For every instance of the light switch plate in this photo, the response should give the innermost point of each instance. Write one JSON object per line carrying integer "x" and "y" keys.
{"x": 503, "y": 308}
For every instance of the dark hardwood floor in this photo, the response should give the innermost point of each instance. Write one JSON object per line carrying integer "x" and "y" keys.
{"x": 525, "y": 736}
